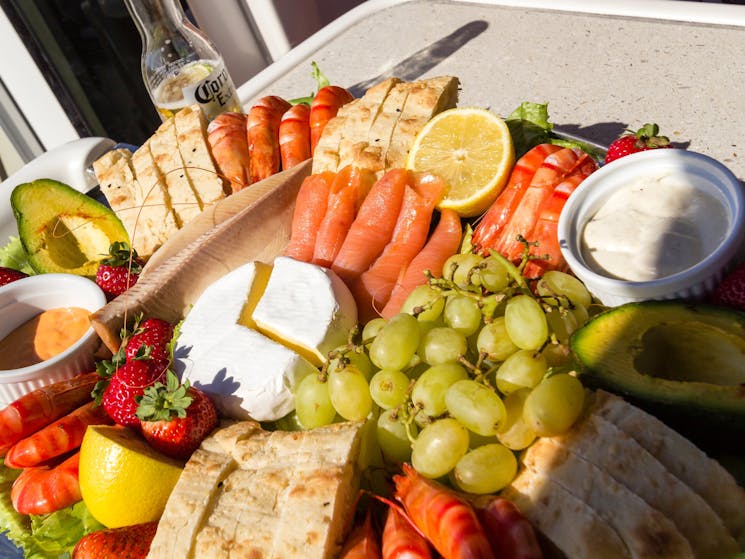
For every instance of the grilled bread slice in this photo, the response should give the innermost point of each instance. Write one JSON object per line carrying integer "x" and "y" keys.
{"x": 569, "y": 522}
{"x": 253, "y": 493}
{"x": 113, "y": 172}
{"x": 681, "y": 457}
{"x": 601, "y": 443}
{"x": 164, "y": 148}
{"x": 191, "y": 130}
{"x": 377, "y": 130}
{"x": 647, "y": 533}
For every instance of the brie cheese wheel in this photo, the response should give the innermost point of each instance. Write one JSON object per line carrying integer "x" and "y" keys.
{"x": 245, "y": 373}
{"x": 306, "y": 307}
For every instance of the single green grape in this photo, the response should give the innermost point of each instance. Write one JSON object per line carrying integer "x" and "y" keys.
{"x": 477, "y": 407}
{"x": 494, "y": 341}
{"x": 562, "y": 322}
{"x": 493, "y": 275}
{"x": 465, "y": 275}
{"x": 429, "y": 301}
{"x": 429, "y": 389}
{"x": 525, "y": 322}
{"x": 442, "y": 345}
{"x": 523, "y": 369}
{"x": 554, "y": 405}
{"x": 559, "y": 283}
{"x": 462, "y": 314}
{"x": 392, "y": 437}
{"x": 515, "y": 433}
{"x": 438, "y": 447}
{"x": 486, "y": 469}
{"x": 349, "y": 393}
{"x": 312, "y": 403}
{"x": 372, "y": 328}
{"x": 396, "y": 343}
{"x": 389, "y": 387}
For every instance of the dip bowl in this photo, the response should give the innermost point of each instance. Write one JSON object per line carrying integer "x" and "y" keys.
{"x": 22, "y": 300}
{"x": 702, "y": 274}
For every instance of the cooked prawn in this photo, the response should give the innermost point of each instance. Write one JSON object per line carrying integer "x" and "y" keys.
{"x": 40, "y": 407}
{"x": 262, "y": 135}
{"x": 43, "y": 490}
{"x": 446, "y": 520}
{"x": 294, "y": 136}
{"x": 323, "y": 108}
{"x": 56, "y": 439}
{"x": 362, "y": 542}
{"x": 489, "y": 229}
{"x": 508, "y": 531}
{"x": 226, "y": 135}
{"x": 552, "y": 171}
{"x": 401, "y": 540}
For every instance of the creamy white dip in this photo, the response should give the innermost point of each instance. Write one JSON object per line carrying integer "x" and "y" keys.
{"x": 653, "y": 228}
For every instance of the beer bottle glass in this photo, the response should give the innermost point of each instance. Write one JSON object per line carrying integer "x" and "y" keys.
{"x": 180, "y": 65}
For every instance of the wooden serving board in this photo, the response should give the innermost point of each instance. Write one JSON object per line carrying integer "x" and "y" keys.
{"x": 253, "y": 224}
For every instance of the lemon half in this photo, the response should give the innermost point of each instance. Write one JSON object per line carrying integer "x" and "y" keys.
{"x": 124, "y": 481}
{"x": 471, "y": 150}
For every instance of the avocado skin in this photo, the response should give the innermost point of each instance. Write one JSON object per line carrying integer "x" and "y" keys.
{"x": 62, "y": 229}
{"x": 698, "y": 341}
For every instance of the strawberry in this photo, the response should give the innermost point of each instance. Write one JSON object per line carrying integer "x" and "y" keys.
{"x": 127, "y": 383}
{"x": 128, "y": 542}
{"x": 175, "y": 418}
{"x": 731, "y": 291}
{"x": 150, "y": 339}
{"x": 632, "y": 142}
{"x": 8, "y": 275}
{"x": 119, "y": 271}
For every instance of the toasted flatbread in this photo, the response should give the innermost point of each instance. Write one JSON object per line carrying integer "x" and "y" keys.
{"x": 568, "y": 522}
{"x": 164, "y": 148}
{"x": 191, "y": 130}
{"x": 601, "y": 443}
{"x": 425, "y": 100}
{"x": 647, "y": 533}
{"x": 254, "y": 493}
{"x": 114, "y": 177}
{"x": 156, "y": 213}
{"x": 347, "y": 134}
{"x": 682, "y": 458}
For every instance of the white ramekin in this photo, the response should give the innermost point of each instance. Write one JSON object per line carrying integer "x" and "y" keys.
{"x": 693, "y": 283}
{"x": 22, "y": 300}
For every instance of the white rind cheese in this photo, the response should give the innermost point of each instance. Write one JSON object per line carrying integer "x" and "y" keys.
{"x": 306, "y": 307}
{"x": 246, "y": 374}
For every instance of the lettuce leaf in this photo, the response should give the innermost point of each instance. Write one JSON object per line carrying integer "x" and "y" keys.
{"x": 48, "y": 536}
{"x": 13, "y": 255}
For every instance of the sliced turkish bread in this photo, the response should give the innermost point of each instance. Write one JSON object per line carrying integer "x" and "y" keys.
{"x": 164, "y": 184}
{"x": 681, "y": 457}
{"x": 629, "y": 464}
{"x": 250, "y": 493}
{"x": 377, "y": 130}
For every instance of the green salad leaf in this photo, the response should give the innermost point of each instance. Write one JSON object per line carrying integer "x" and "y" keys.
{"x": 13, "y": 255}
{"x": 48, "y": 536}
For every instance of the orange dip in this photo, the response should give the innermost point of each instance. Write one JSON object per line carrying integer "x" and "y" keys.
{"x": 44, "y": 336}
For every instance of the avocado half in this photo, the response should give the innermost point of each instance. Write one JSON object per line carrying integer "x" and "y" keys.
{"x": 63, "y": 230}
{"x": 680, "y": 358}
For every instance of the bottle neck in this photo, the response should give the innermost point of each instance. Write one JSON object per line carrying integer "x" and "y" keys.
{"x": 155, "y": 18}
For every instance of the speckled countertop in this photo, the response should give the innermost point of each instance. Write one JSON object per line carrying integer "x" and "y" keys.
{"x": 600, "y": 73}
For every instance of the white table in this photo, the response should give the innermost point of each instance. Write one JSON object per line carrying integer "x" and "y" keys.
{"x": 603, "y": 65}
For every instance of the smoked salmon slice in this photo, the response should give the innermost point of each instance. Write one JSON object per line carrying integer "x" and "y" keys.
{"x": 443, "y": 243}
{"x": 373, "y": 227}
{"x": 310, "y": 209}
{"x": 348, "y": 190}
{"x": 373, "y": 288}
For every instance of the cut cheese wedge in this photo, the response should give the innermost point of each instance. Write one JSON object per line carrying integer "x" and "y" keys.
{"x": 307, "y": 308}
{"x": 246, "y": 374}
{"x": 304, "y": 309}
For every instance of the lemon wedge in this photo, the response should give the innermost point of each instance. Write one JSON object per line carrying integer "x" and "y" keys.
{"x": 124, "y": 481}
{"x": 471, "y": 150}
